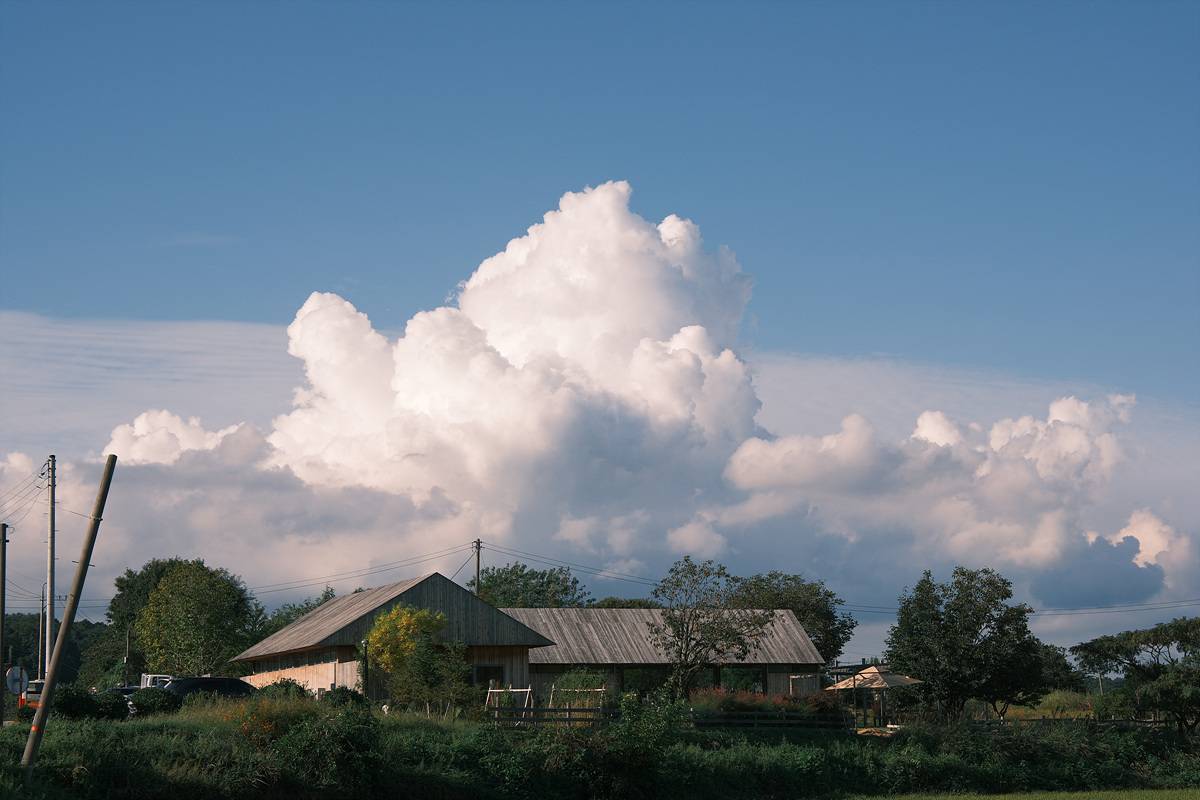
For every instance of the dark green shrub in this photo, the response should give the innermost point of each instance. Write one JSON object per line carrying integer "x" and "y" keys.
{"x": 339, "y": 751}
{"x": 284, "y": 689}
{"x": 111, "y": 705}
{"x": 25, "y": 714}
{"x": 153, "y": 700}
{"x": 74, "y": 702}
{"x": 343, "y": 696}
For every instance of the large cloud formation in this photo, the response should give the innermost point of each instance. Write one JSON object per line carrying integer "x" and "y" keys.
{"x": 582, "y": 395}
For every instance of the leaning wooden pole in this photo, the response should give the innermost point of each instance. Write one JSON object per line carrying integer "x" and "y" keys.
{"x": 64, "y": 630}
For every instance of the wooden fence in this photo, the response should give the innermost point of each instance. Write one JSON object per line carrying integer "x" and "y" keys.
{"x": 772, "y": 719}
{"x": 1084, "y": 722}
{"x": 514, "y": 717}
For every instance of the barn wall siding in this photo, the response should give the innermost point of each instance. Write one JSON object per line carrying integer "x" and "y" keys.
{"x": 515, "y": 661}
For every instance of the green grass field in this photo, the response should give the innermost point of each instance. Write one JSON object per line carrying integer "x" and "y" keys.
{"x": 1115, "y": 794}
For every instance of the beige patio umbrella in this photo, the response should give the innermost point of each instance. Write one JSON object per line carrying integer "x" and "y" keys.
{"x": 874, "y": 678}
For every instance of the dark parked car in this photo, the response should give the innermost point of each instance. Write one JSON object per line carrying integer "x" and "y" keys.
{"x": 225, "y": 687}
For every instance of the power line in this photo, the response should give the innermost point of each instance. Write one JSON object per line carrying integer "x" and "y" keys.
{"x": 358, "y": 573}
{"x": 18, "y": 487}
{"x": 19, "y": 499}
{"x": 862, "y": 608}
{"x": 463, "y": 564}
{"x": 598, "y": 572}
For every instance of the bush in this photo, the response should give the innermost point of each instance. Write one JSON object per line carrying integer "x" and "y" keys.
{"x": 343, "y": 696}
{"x": 285, "y": 689}
{"x": 25, "y": 714}
{"x": 74, "y": 702}
{"x": 335, "y": 752}
{"x": 154, "y": 700}
{"x": 111, "y": 705}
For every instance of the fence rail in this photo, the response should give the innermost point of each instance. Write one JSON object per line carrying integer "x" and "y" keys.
{"x": 1087, "y": 722}
{"x": 516, "y": 716}
{"x": 770, "y": 719}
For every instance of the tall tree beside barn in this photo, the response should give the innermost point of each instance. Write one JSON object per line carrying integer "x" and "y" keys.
{"x": 196, "y": 619}
{"x": 814, "y": 604}
{"x": 423, "y": 672}
{"x": 700, "y": 625}
{"x": 519, "y": 586}
{"x": 965, "y": 640}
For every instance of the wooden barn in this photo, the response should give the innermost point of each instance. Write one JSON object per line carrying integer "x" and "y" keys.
{"x": 616, "y": 642}
{"x": 320, "y": 650}
{"x": 517, "y": 647}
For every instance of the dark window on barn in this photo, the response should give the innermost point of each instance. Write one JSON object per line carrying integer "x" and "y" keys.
{"x": 485, "y": 674}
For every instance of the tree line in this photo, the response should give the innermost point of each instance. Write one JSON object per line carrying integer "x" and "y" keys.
{"x": 964, "y": 638}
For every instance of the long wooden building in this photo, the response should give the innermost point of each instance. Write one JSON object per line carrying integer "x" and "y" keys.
{"x": 518, "y": 647}
{"x": 617, "y": 642}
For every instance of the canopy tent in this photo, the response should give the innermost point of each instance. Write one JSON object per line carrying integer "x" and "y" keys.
{"x": 873, "y": 678}
{"x": 879, "y": 681}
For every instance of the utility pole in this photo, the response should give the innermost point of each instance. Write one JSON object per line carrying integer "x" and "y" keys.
{"x": 41, "y": 648}
{"x": 85, "y": 559}
{"x": 478, "y": 545}
{"x": 51, "y": 484}
{"x": 3, "y": 592}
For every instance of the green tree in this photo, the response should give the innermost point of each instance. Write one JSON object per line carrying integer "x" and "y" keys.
{"x": 288, "y": 613}
{"x": 104, "y": 659}
{"x": 195, "y": 620}
{"x": 813, "y": 603}
{"x": 423, "y": 671}
{"x": 518, "y": 586}
{"x": 1058, "y": 672}
{"x": 21, "y": 634}
{"x": 700, "y": 625}
{"x": 1161, "y": 667}
{"x": 964, "y": 640}
{"x": 626, "y": 602}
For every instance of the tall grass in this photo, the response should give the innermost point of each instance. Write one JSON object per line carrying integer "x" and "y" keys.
{"x": 296, "y": 749}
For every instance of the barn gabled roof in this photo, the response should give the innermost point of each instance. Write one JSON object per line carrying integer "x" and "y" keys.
{"x": 345, "y": 620}
{"x": 622, "y": 636}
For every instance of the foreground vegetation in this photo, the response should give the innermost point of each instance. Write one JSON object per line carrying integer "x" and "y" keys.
{"x": 299, "y": 748}
{"x": 1114, "y": 794}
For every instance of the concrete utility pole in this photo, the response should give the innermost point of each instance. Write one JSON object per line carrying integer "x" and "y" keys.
{"x": 478, "y": 545}
{"x": 85, "y": 560}
{"x": 3, "y": 592}
{"x": 41, "y": 648}
{"x": 51, "y": 484}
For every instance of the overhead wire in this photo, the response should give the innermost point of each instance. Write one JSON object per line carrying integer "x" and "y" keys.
{"x": 19, "y": 487}
{"x": 9, "y": 506}
{"x": 860, "y": 608}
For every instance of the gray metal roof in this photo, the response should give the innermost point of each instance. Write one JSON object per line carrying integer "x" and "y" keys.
{"x": 622, "y": 636}
{"x": 345, "y": 620}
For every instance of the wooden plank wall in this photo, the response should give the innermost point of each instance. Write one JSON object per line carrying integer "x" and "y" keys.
{"x": 317, "y": 669}
{"x": 515, "y": 661}
{"x": 468, "y": 619}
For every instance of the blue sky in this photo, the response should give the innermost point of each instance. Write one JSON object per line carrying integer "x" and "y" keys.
{"x": 995, "y": 185}
{"x": 965, "y": 209}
